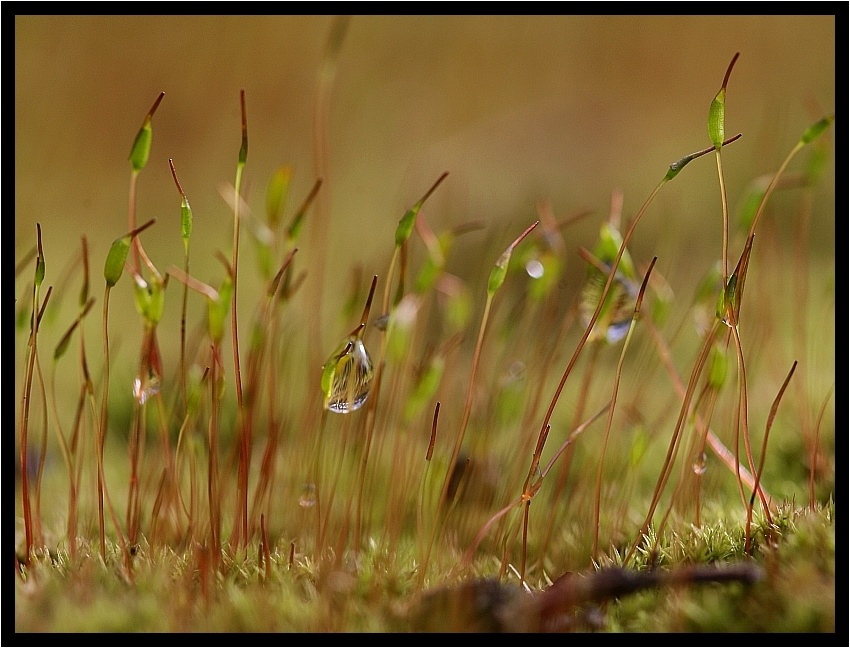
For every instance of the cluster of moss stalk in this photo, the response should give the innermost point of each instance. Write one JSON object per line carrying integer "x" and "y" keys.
{"x": 392, "y": 471}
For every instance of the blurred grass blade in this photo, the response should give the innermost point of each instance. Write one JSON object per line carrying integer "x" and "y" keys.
{"x": 277, "y": 192}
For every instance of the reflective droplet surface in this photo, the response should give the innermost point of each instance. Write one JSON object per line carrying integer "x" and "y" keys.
{"x": 382, "y": 322}
{"x": 351, "y": 379}
{"x": 614, "y": 320}
{"x": 700, "y": 464}
{"x": 308, "y": 496}
{"x": 538, "y": 474}
{"x": 515, "y": 376}
{"x": 615, "y": 316}
{"x": 144, "y": 388}
{"x": 534, "y": 269}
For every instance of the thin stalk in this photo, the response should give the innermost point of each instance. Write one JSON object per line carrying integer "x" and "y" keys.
{"x": 370, "y": 411}
{"x": 430, "y": 452}
{"x": 270, "y": 323}
{"x": 526, "y": 497}
{"x": 189, "y": 419}
{"x": 38, "y": 534}
{"x": 101, "y": 436}
{"x": 134, "y": 175}
{"x": 70, "y": 467}
{"x": 770, "y": 187}
{"x": 681, "y": 484}
{"x": 320, "y": 225}
{"x": 217, "y": 304}
{"x": 799, "y": 314}
{"x": 24, "y": 425}
{"x": 266, "y": 552}
{"x": 213, "y": 488}
{"x": 22, "y": 264}
{"x": 702, "y": 427}
{"x": 103, "y": 493}
{"x": 563, "y": 472}
{"x": 725, "y": 209}
{"x": 86, "y": 388}
{"x": 672, "y": 172}
{"x": 744, "y": 416}
{"x": 169, "y": 469}
{"x": 808, "y": 136}
{"x": 138, "y": 159}
{"x": 732, "y": 305}
{"x": 402, "y": 233}
{"x": 716, "y": 131}
{"x": 721, "y": 451}
{"x": 137, "y": 434}
{"x": 617, "y": 374}
{"x": 159, "y": 502}
{"x": 244, "y": 433}
{"x": 676, "y": 436}
{"x": 768, "y": 425}
{"x": 813, "y": 459}
{"x": 186, "y": 230}
{"x": 329, "y": 501}
{"x": 315, "y": 481}
{"x": 32, "y": 348}
{"x": 497, "y": 277}
{"x": 732, "y": 298}
{"x": 534, "y": 481}
{"x": 113, "y": 269}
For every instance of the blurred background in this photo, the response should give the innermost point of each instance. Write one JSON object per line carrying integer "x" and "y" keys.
{"x": 564, "y": 109}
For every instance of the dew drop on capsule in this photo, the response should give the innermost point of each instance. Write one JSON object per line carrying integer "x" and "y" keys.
{"x": 700, "y": 464}
{"x": 352, "y": 380}
{"x": 143, "y": 389}
{"x": 308, "y": 496}
{"x": 534, "y": 269}
{"x": 347, "y": 375}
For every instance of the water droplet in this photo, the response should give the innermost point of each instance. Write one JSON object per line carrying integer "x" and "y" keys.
{"x": 617, "y": 331}
{"x": 382, "y": 322}
{"x": 405, "y": 312}
{"x": 538, "y": 474}
{"x": 534, "y": 269}
{"x": 514, "y": 377}
{"x": 308, "y": 496}
{"x": 143, "y": 389}
{"x": 614, "y": 320}
{"x": 700, "y": 464}
{"x": 352, "y": 379}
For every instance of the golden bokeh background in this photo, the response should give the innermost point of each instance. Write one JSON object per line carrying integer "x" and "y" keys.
{"x": 517, "y": 109}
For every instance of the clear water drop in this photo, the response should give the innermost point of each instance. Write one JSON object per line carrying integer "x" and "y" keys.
{"x": 143, "y": 388}
{"x": 382, "y": 322}
{"x": 515, "y": 376}
{"x": 534, "y": 269}
{"x": 618, "y": 330}
{"x": 308, "y": 496}
{"x": 351, "y": 380}
{"x": 614, "y": 320}
{"x": 700, "y": 464}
